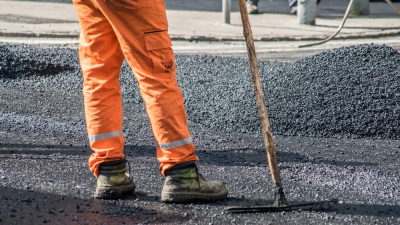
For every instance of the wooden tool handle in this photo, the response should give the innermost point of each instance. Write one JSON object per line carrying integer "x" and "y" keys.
{"x": 262, "y": 110}
{"x": 393, "y": 6}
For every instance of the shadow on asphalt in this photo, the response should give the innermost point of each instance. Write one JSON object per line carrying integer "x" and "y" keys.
{"x": 43, "y": 149}
{"x": 367, "y": 209}
{"x": 35, "y": 207}
{"x": 243, "y": 157}
{"x": 257, "y": 157}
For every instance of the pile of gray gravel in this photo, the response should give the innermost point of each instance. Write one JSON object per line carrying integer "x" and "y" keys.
{"x": 349, "y": 92}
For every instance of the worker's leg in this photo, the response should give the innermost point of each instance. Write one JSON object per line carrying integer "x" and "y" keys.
{"x": 142, "y": 32}
{"x": 100, "y": 60}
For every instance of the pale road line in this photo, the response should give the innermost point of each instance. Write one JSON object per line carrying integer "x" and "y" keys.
{"x": 228, "y": 47}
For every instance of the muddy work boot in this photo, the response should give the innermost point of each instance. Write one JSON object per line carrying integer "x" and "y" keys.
{"x": 113, "y": 180}
{"x": 183, "y": 183}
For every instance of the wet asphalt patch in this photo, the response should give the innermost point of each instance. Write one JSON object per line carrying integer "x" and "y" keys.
{"x": 334, "y": 117}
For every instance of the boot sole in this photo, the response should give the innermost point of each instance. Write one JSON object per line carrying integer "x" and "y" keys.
{"x": 114, "y": 192}
{"x": 182, "y": 197}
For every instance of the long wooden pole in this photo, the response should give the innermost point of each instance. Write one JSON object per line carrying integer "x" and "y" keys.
{"x": 262, "y": 110}
{"x": 393, "y": 6}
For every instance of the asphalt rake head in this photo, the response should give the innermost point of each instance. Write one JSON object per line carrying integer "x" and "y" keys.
{"x": 319, "y": 205}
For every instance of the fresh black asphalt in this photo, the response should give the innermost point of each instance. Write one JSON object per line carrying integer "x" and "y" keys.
{"x": 334, "y": 116}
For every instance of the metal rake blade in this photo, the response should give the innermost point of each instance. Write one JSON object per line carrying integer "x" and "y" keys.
{"x": 272, "y": 208}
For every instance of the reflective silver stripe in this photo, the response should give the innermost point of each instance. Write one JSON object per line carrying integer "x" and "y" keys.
{"x": 176, "y": 143}
{"x": 102, "y": 136}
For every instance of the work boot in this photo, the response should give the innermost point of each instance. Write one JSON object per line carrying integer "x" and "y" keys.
{"x": 183, "y": 183}
{"x": 113, "y": 180}
{"x": 252, "y": 8}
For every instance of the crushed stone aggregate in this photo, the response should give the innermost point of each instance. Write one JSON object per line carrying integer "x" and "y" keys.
{"x": 350, "y": 92}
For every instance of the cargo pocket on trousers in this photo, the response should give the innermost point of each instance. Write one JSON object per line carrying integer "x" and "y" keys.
{"x": 122, "y": 5}
{"x": 158, "y": 46}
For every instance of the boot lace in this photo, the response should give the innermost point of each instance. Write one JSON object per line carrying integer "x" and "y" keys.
{"x": 129, "y": 166}
{"x": 198, "y": 175}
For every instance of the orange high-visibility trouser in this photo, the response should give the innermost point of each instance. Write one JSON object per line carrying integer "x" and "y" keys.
{"x": 112, "y": 30}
